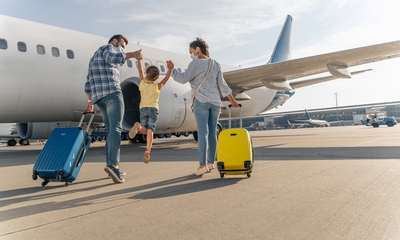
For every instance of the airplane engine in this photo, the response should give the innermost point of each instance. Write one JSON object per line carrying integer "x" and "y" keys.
{"x": 261, "y": 98}
{"x": 40, "y": 130}
{"x": 174, "y": 106}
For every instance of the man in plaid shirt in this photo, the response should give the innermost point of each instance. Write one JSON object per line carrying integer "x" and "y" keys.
{"x": 103, "y": 89}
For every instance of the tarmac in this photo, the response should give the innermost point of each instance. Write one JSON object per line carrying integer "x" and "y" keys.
{"x": 314, "y": 183}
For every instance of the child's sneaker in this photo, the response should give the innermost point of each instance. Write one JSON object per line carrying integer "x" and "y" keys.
{"x": 134, "y": 130}
{"x": 146, "y": 157}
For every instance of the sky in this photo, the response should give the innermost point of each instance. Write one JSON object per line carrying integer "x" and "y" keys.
{"x": 244, "y": 33}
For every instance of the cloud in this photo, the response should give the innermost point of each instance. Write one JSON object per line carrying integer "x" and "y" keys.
{"x": 222, "y": 24}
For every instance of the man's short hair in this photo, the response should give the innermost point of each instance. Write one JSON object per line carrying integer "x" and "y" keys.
{"x": 118, "y": 37}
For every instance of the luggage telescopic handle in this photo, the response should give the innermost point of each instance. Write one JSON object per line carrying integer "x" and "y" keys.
{"x": 90, "y": 120}
{"x": 229, "y": 107}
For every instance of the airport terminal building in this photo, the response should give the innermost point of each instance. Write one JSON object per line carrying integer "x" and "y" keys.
{"x": 346, "y": 115}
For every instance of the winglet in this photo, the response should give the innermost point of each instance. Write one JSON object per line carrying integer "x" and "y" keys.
{"x": 307, "y": 115}
{"x": 282, "y": 50}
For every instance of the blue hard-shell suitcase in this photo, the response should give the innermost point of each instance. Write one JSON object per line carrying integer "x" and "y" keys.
{"x": 62, "y": 157}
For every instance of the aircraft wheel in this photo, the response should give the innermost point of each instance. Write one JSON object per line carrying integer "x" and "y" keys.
{"x": 11, "y": 142}
{"x": 219, "y": 129}
{"x": 195, "y": 136}
{"x": 24, "y": 142}
{"x": 141, "y": 138}
{"x": 167, "y": 135}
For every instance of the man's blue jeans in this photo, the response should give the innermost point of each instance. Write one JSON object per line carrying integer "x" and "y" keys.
{"x": 206, "y": 115}
{"x": 112, "y": 108}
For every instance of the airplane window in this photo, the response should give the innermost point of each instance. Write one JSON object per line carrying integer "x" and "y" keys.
{"x": 70, "y": 54}
{"x": 55, "y": 52}
{"x": 146, "y": 62}
{"x": 3, "y": 44}
{"x": 22, "y": 46}
{"x": 129, "y": 63}
{"x": 162, "y": 68}
{"x": 40, "y": 49}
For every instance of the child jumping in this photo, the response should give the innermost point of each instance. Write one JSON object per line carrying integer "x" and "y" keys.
{"x": 149, "y": 93}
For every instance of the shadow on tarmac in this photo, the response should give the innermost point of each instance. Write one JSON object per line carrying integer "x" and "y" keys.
{"x": 160, "y": 189}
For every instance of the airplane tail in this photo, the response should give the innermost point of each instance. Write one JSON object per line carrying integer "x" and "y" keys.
{"x": 282, "y": 50}
{"x": 307, "y": 115}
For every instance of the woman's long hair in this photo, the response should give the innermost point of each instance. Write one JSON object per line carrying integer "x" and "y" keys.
{"x": 202, "y": 45}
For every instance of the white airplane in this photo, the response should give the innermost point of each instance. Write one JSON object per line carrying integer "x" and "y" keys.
{"x": 314, "y": 122}
{"x": 43, "y": 70}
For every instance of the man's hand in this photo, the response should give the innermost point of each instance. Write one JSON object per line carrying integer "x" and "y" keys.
{"x": 89, "y": 107}
{"x": 136, "y": 54}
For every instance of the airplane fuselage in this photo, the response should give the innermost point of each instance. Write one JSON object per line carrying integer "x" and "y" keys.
{"x": 43, "y": 70}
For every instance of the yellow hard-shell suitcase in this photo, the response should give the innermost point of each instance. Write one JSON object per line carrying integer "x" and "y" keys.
{"x": 235, "y": 150}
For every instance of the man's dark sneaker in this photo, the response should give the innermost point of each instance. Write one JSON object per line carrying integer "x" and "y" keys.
{"x": 121, "y": 173}
{"x": 114, "y": 174}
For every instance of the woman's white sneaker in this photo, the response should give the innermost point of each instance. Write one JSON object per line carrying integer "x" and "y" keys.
{"x": 201, "y": 170}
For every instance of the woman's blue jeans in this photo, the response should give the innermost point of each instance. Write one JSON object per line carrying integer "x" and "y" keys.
{"x": 112, "y": 108}
{"x": 206, "y": 115}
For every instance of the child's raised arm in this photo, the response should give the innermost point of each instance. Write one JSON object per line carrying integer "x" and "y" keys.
{"x": 170, "y": 66}
{"x": 140, "y": 69}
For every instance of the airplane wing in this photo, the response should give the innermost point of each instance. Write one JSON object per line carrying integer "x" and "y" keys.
{"x": 277, "y": 75}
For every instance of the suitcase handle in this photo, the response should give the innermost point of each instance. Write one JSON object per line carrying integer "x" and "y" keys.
{"x": 90, "y": 120}
{"x": 81, "y": 155}
{"x": 229, "y": 110}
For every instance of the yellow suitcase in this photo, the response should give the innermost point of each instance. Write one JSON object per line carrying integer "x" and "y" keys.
{"x": 235, "y": 150}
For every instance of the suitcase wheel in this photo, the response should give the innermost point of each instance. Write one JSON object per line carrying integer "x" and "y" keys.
{"x": 67, "y": 183}
{"x": 248, "y": 175}
{"x": 247, "y": 165}
{"x": 58, "y": 177}
{"x": 34, "y": 176}
{"x": 45, "y": 183}
{"x": 220, "y": 166}
{"x": 222, "y": 175}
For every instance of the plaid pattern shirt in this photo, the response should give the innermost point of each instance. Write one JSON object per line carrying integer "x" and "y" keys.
{"x": 103, "y": 74}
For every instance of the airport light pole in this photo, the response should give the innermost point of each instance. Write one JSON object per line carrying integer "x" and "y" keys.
{"x": 337, "y": 109}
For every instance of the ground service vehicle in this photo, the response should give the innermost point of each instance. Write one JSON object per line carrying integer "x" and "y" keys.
{"x": 379, "y": 118}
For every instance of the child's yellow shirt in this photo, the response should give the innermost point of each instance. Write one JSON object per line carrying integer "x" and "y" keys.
{"x": 149, "y": 94}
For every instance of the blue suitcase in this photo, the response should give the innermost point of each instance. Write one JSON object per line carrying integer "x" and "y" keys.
{"x": 62, "y": 157}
